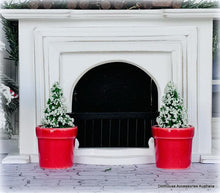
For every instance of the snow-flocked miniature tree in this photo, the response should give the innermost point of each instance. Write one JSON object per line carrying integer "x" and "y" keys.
{"x": 172, "y": 113}
{"x": 55, "y": 112}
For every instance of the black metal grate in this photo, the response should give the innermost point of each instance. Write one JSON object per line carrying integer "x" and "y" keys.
{"x": 114, "y": 129}
{"x": 115, "y": 105}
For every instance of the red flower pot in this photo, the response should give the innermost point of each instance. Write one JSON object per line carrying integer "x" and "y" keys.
{"x": 173, "y": 147}
{"x": 56, "y": 146}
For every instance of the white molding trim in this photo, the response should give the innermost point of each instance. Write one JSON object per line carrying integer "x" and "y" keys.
{"x": 216, "y": 135}
{"x": 111, "y": 14}
{"x": 215, "y": 82}
{"x": 214, "y": 157}
{"x": 210, "y": 159}
{"x": 55, "y": 43}
{"x": 22, "y": 159}
{"x": 16, "y": 159}
{"x": 51, "y": 44}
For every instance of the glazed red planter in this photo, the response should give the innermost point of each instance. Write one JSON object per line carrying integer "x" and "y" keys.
{"x": 173, "y": 147}
{"x": 56, "y": 147}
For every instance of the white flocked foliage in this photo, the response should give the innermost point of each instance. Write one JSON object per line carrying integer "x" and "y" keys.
{"x": 55, "y": 112}
{"x": 172, "y": 113}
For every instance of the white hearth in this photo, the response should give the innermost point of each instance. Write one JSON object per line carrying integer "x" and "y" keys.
{"x": 62, "y": 45}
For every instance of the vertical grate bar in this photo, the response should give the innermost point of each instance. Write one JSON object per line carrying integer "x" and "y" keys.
{"x": 145, "y": 132}
{"x": 84, "y": 136}
{"x": 101, "y": 131}
{"x": 151, "y": 94}
{"x": 109, "y": 136}
{"x": 93, "y": 136}
{"x": 119, "y": 132}
{"x": 136, "y": 132}
{"x": 127, "y": 132}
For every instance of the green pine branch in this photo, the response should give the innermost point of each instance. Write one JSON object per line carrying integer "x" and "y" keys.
{"x": 203, "y": 4}
{"x": 62, "y": 4}
{"x": 11, "y": 33}
{"x": 15, "y": 5}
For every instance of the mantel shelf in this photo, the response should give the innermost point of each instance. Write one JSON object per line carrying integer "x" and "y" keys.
{"x": 15, "y": 14}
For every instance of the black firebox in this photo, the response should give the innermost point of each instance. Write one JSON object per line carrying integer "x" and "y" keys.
{"x": 115, "y": 105}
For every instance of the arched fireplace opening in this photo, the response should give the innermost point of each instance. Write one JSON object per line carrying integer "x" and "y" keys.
{"x": 114, "y": 105}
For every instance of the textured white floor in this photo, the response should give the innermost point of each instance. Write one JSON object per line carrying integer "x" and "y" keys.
{"x": 93, "y": 178}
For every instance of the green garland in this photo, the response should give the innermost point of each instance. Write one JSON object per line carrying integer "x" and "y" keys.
{"x": 203, "y": 4}
{"x": 28, "y": 4}
{"x": 15, "y": 5}
{"x": 63, "y": 4}
{"x": 11, "y": 33}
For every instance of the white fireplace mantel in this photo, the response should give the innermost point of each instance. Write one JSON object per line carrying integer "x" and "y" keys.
{"x": 110, "y": 14}
{"x": 167, "y": 44}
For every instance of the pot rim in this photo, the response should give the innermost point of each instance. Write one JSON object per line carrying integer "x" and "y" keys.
{"x": 58, "y": 128}
{"x": 175, "y": 128}
{"x": 56, "y": 133}
{"x": 172, "y": 133}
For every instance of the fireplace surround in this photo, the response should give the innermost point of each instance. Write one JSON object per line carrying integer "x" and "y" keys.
{"x": 63, "y": 45}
